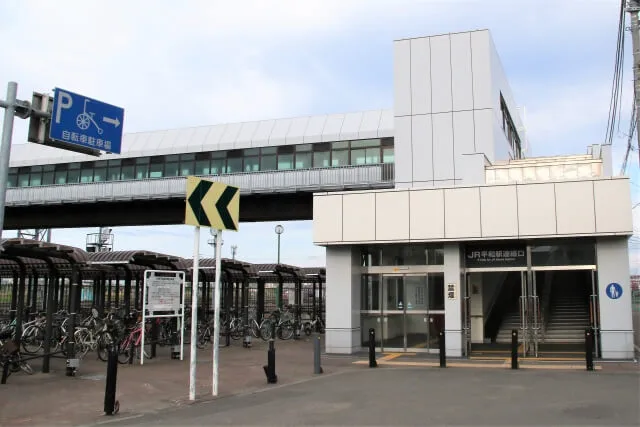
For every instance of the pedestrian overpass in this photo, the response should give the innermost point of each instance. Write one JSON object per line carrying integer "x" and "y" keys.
{"x": 277, "y": 164}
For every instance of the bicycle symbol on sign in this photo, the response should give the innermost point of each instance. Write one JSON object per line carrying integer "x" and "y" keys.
{"x": 84, "y": 119}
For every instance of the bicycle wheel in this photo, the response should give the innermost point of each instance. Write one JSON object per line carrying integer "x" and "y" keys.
{"x": 32, "y": 339}
{"x": 204, "y": 338}
{"x": 103, "y": 341}
{"x": 286, "y": 331}
{"x": 255, "y": 330}
{"x": 124, "y": 352}
{"x": 266, "y": 331}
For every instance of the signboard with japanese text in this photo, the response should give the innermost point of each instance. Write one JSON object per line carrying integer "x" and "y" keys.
{"x": 451, "y": 291}
{"x": 488, "y": 256}
{"x": 163, "y": 293}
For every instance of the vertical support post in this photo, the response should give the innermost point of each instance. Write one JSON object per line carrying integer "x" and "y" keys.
{"x": 588, "y": 348}
{"x": 111, "y": 405}
{"x": 633, "y": 8}
{"x": 14, "y": 296}
{"x": 270, "y": 369}
{"x": 317, "y": 368}
{"x": 72, "y": 362}
{"x": 372, "y": 348}
{"x": 443, "y": 349}
{"x": 194, "y": 313}
{"x": 5, "y": 146}
{"x": 48, "y": 327}
{"x": 514, "y": 349}
{"x": 216, "y": 314}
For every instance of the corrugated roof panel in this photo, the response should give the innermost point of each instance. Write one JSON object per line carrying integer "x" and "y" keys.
{"x": 214, "y": 136}
{"x": 313, "y": 132}
{"x": 297, "y": 129}
{"x": 351, "y": 126}
{"x": 261, "y": 137}
{"x": 246, "y": 134}
{"x": 369, "y": 124}
{"x": 279, "y": 132}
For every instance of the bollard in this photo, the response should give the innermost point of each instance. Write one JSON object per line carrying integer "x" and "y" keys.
{"x": 514, "y": 349}
{"x": 227, "y": 338}
{"x": 588, "y": 347}
{"x": 5, "y": 372}
{"x": 372, "y": 348}
{"x": 270, "y": 367}
{"x": 317, "y": 368}
{"x": 111, "y": 405}
{"x": 443, "y": 351}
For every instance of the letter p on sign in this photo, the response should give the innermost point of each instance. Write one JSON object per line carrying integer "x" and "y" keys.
{"x": 65, "y": 102}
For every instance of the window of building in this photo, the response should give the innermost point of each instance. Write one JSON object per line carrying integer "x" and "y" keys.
{"x": 35, "y": 176}
{"x": 100, "y": 171}
{"x": 251, "y": 159}
{"x": 187, "y": 162}
{"x": 510, "y": 130}
{"x": 156, "y": 167}
{"x": 398, "y": 254}
{"x": 142, "y": 168}
{"x": 114, "y": 170}
{"x": 60, "y": 173}
{"x": 13, "y": 179}
{"x": 304, "y": 156}
{"x": 86, "y": 172}
{"x": 23, "y": 177}
{"x": 128, "y": 169}
{"x": 202, "y": 164}
{"x": 171, "y": 165}
{"x": 321, "y": 155}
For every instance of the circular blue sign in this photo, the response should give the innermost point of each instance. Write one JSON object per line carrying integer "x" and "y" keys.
{"x": 614, "y": 290}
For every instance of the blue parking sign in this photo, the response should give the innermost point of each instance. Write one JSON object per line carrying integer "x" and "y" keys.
{"x": 79, "y": 120}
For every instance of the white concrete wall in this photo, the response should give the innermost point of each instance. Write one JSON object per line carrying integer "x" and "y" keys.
{"x": 445, "y": 92}
{"x": 616, "y": 325}
{"x": 510, "y": 211}
{"x": 342, "y": 300}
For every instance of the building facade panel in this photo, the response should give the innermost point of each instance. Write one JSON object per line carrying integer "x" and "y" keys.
{"x": 402, "y": 84}
{"x": 359, "y": 217}
{"x": 443, "y": 155}
{"x": 426, "y": 214}
{"x": 328, "y": 227}
{"x": 481, "y": 69}
{"x": 464, "y": 144}
{"x": 420, "y": 77}
{"x": 403, "y": 152}
{"x": 612, "y": 201}
{"x": 499, "y": 211}
{"x": 389, "y": 225}
{"x": 422, "y": 150}
{"x": 575, "y": 210}
{"x": 461, "y": 72}
{"x": 441, "y": 95}
{"x": 462, "y": 213}
{"x": 537, "y": 210}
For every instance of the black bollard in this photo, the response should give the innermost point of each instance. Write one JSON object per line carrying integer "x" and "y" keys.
{"x": 443, "y": 350}
{"x": 270, "y": 367}
{"x": 227, "y": 338}
{"x": 154, "y": 339}
{"x": 317, "y": 368}
{"x": 5, "y": 372}
{"x": 372, "y": 348}
{"x": 111, "y": 405}
{"x": 588, "y": 348}
{"x": 514, "y": 349}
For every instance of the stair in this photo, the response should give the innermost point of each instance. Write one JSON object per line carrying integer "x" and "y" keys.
{"x": 568, "y": 319}
{"x": 510, "y": 321}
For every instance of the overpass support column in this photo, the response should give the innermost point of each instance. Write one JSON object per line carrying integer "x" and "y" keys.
{"x": 260, "y": 300}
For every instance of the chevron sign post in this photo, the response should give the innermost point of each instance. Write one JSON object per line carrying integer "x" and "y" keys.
{"x": 217, "y": 206}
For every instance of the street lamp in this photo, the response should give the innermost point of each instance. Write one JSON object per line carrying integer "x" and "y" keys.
{"x": 212, "y": 242}
{"x": 279, "y": 231}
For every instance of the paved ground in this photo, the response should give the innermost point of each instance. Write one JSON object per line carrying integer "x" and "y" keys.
{"x": 418, "y": 396}
{"x": 54, "y": 399}
{"x": 162, "y": 384}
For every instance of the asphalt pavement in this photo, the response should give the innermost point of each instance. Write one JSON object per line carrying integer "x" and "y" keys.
{"x": 393, "y": 396}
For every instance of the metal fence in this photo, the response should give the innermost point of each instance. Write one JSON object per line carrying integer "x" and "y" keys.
{"x": 305, "y": 180}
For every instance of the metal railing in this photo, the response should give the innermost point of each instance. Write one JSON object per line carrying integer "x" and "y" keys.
{"x": 290, "y": 181}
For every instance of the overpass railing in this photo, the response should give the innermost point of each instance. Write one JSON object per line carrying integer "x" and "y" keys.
{"x": 290, "y": 181}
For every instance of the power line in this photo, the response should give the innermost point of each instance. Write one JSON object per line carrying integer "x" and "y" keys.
{"x": 616, "y": 86}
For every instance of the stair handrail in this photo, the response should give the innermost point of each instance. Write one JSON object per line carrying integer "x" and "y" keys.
{"x": 546, "y": 300}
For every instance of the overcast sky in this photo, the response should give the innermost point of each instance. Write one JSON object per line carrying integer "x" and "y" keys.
{"x": 176, "y": 64}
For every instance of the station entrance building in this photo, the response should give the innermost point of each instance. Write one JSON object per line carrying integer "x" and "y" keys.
{"x": 477, "y": 238}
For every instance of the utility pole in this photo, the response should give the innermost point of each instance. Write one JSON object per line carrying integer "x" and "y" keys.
{"x": 234, "y": 249}
{"x": 633, "y": 8}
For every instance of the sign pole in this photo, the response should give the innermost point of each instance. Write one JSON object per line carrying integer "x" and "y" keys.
{"x": 216, "y": 313}
{"x": 194, "y": 313}
{"x": 5, "y": 145}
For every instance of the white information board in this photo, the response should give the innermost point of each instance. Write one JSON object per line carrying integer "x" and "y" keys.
{"x": 163, "y": 296}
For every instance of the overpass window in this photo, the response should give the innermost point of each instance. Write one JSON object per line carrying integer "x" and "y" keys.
{"x": 13, "y": 179}
{"x": 203, "y": 164}
{"x": 340, "y": 153}
{"x": 23, "y": 177}
{"x": 186, "y": 164}
{"x": 365, "y": 152}
{"x": 217, "y": 166}
{"x": 387, "y": 155}
{"x": 73, "y": 174}
{"x": 86, "y": 172}
{"x": 36, "y": 176}
{"x": 268, "y": 158}
{"x": 234, "y": 161}
{"x": 171, "y": 165}
{"x": 156, "y": 167}
{"x": 251, "y": 159}
{"x": 128, "y": 169}
{"x": 113, "y": 170}
{"x": 304, "y": 156}
{"x": 285, "y": 157}
{"x": 100, "y": 171}
{"x": 142, "y": 168}
{"x": 60, "y": 175}
{"x": 321, "y": 155}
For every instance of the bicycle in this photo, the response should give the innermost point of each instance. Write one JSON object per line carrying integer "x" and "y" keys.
{"x": 84, "y": 119}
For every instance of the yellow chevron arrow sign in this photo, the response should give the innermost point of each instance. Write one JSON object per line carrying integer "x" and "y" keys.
{"x": 212, "y": 204}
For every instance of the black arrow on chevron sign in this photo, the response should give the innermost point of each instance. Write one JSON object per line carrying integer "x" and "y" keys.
{"x": 195, "y": 201}
{"x": 223, "y": 204}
